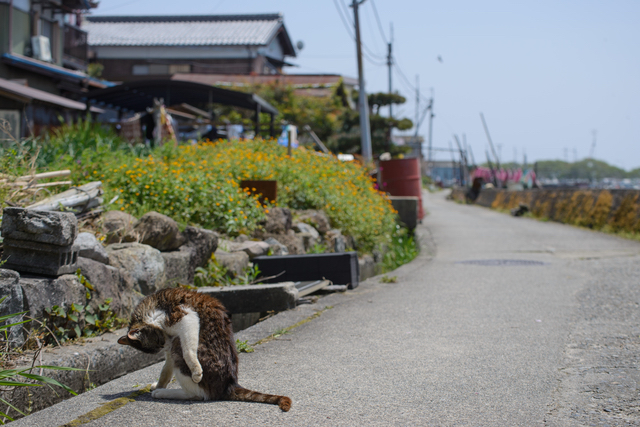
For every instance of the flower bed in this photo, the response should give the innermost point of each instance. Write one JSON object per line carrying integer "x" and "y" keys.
{"x": 200, "y": 185}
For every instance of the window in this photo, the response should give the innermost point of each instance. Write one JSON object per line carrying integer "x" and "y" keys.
{"x": 179, "y": 68}
{"x": 140, "y": 70}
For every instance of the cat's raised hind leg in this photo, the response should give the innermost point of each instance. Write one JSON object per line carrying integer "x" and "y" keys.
{"x": 188, "y": 330}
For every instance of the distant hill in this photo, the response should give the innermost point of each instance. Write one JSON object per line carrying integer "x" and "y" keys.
{"x": 584, "y": 169}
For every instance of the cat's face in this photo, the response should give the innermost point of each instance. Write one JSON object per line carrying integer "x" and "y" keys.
{"x": 146, "y": 338}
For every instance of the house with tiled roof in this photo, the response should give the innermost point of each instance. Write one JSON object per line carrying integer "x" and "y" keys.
{"x": 143, "y": 47}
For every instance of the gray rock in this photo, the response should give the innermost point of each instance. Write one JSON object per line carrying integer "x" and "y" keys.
{"x": 301, "y": 227}
{"x": 234, "y": 262}
{"x": 14, "y": 303}
{"x": 144, "y": 263}
{"x": 367, "y": 267}
{"x": 178, "y": 268}
{"x": 89, "y": 247}
{"x": 109, "y": 283}
{"x": 202, "y": 244}
{"x": 53, "y": 228}
{"x": 308, "y": 240}
{"x": 318, "y": 219}
{"x": 278, "y": 221}
{"x": 227, "y": 245}
{"x": 241, "y": 238}
{"x": 39, "y": 258}
{"x": 159, "y": 231}
{"x": 253, "y": 249}
{"x": 180, "y": 265}
{"x": 118, "y": 226}
{"x": 276, "y": 247}
{"x": 336, "y": 241}
{"x": 41, "y": 293}
{"x": 293, "y": 242}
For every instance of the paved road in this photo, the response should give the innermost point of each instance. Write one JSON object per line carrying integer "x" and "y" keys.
{"x": 450, "y": 344}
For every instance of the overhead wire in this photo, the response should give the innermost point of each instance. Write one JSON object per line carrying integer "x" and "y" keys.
{"x": 375, "y": 11}
{"x": 367, "y": 53}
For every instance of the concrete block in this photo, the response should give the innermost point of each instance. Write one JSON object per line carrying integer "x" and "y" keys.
{"x": 407, "y": 208}
{"x": 255, "y": 298}
{"x": 39, "y": 258}
{"x": 53, "y": 228}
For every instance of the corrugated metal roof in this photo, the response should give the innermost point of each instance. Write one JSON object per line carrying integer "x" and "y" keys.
{"x": 28, "y": 94}
{"x": 216, "y": 30}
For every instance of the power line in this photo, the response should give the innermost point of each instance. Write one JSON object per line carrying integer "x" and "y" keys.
{"x": 375, "y": 11}
{"x": 369, "y": 55}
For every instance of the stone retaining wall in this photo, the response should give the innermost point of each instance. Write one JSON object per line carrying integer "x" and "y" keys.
{"x": 616, "y": 210}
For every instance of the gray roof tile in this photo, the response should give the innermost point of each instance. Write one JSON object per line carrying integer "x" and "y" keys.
{"x": 242, "y": 30}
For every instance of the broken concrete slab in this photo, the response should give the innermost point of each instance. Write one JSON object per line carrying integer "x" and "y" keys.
{"x": 53, "y": 228}
{"x": 255, "y": 298}
{"x": 39, "y": 258}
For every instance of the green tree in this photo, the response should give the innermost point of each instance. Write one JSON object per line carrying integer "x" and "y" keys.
{"x": 348, "y": 140}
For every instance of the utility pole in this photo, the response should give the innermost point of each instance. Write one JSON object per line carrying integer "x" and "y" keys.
{"x": 417, "y": 103}
{"x": 390, "y": 65}
{"x": 431, "y": 116}
{"x": 365, "y": 130}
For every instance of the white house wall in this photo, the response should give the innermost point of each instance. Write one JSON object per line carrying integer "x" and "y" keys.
{"x": 170, "y": 52}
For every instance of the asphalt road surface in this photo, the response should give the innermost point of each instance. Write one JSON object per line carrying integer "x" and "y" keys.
{"x": 550, "y": 337}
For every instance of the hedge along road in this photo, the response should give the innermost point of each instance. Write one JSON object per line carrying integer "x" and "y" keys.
{"x": 451, "y": 343}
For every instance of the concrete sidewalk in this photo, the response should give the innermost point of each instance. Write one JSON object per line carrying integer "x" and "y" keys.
{"x": 451, "y": 343}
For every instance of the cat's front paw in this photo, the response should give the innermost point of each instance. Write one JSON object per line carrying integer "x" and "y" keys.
{"x": 196, "y": 377}
{"x": 154, "y": 386}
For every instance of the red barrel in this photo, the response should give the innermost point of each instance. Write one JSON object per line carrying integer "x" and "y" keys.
{"x": 401, "y": 177}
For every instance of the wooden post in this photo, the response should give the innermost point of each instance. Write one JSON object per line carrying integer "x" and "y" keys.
{"x": 257, "y": 121}
{"x": 289, "y": 139}
{"x": 271, "y": 125}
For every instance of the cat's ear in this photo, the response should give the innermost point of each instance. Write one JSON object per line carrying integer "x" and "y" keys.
{"x": 133, "y": 335}
{"x": 124, "y": 340}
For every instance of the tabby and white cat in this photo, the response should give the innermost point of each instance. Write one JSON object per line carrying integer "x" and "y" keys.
{"x": 195, "y": 332}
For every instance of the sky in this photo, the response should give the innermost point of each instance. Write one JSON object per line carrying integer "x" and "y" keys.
{"x": 550, "y": 76}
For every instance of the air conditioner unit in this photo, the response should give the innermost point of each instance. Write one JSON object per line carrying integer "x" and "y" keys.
{"x": 41, "y": 48}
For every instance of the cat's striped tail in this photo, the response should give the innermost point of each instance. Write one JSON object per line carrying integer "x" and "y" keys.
{"x": 241, "y": 394}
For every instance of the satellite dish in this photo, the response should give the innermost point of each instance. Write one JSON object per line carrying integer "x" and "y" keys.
{"x": 300, "y": 45}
